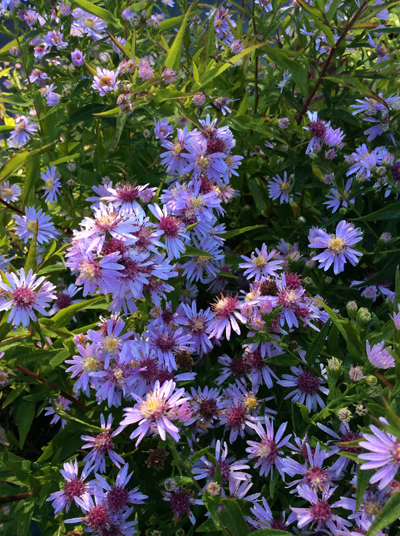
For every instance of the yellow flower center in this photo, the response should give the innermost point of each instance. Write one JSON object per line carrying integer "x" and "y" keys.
{"x": 336, "y": 244}
{"x": 285, "y": 186}
{"x": 89, "y": 23}
{"x": 197, "y": 202}
{"x": 105, "y": 81}
{"x": 88, "y": 270}
{"x": 49, "y": 184}
{"x": 31, "y": 225}
{"x": 118, "y": 373}
{"x": 7, "y": 192}
{"x": 259, "y": 261}
{"x": 110, "y": 344}
{"x": 90, "y": 364}
{"x": 198, "y": 325}
{"x": 152, "y": 407}
{"x": 251, "y": 402}
{"x": 204, "y": 161}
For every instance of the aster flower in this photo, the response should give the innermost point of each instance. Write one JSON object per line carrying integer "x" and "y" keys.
{"x": 267, "y": 453}
{"x": 145, "y": 70}
{"x": 54, "y": 38}
{"x": 162, "y": 129}
{"x": 60, "y": 403}
{"x": 337, "y": 247}
{"x": 10, "y": 193}
{"x": 64, "y": 299}
{"x": 173, "y": 158}
{"x": 26, "y": 225}
{"x": 265, "y": 519}
{"x": 118, "y": 497}
{"x": 379, "y": 356}
{"x": 166, "y": 341}
{"x": 86, "y": 23}
{"x": 105, "y": 81}
{"x": 23, "y": 296}
{"x": 254, "y": 357}
{"x": 203, "y": 162}
{"x": 279, "y": 189}
{"x": 336, "y": 199}
{"x": 78, "y": 58}
{"x": 308, "y": 386}
{"x": 83, "y": 366}
{"x": 154, "y": 409}
{"x": 181, "y": 499}
{"x": 101, "y": 445}
{"x": 226, "y": 314}
{"x": 207, "y": 406}
{"x": 232, "y": 471}
{"x": 172, "y": 229}
{"x": 261, "y": 264}
{"x": 51, "y": 184}
{"x": 198, "y": 326}
{"x": 75, "y": 488}
{"x": 24, "y": 128}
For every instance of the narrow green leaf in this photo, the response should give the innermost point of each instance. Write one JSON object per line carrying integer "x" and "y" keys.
{"x": 388, "y": 212}
{"x": 298, "y": 71}
{"x": 208, "y": 526}
{"x": 119, "y": 45}
{"x": 208, "y": 44}
{"x": 24, "y": 416}
{"x": 95, "y": 10}
{"x": 268, "y": 532}
{"x": 166, "y": 25}
{"x": 121, "y": 120}
{"x": 194, "y": 252}
{"x": 387, "y": 515}
{"x": 114, "y": 112}
{"x": 243, "y": 105}
{"x": 363, "y": 478}
{"x": 31, "y": 258}
{"x": 19, "y": 160}
{"x": 233, "y": 518}
{"x": 174, "y": 55}
{"x": 63, "y": 317}
{"x": 236, "y": 232}
{"x": 196, "y": 457}
{"x": 25, "y": 517}
{"x": 317, "y": 344}
{"x": 7, "y": 47}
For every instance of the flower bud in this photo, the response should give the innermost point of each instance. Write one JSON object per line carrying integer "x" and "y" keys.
{"x": 355, "y": 373}
{"x": 344, "y": 414}
{"x": 170, "y": 484}
{"x": 213, "y": 488}
{"x": 385, "y": 237}
{"x": 363, "y": 316}
{"x": 352, "y": 308}
{"x": 371, "y": 380}
{"x": 361, "y": 410}
{"x": 334, "y": 364}
{"x": 343, "y": 211}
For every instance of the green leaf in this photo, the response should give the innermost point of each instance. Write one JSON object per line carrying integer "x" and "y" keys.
{"x": 63, "y": 159}
{"x": 62, "y": 446}
{"x": 24, "y": 416}
{"x": 114, "y": 112}
{"x": 213, "y": 73}
{"x": 298, "y": 71}
{"x": 59, "y": 358}
{"x": 387, "y": 515}
{"x": 243, "y": 105}
{"x": 194, "y": 252}
{"x": 171, "y": 23}
{"x": 208, "y": 526}
{"x": 197, "y": 456}
{"x": 236, "y": 232}
{"x": 19, "y": 160}
{"x": 25, "y": 517}
{"x": 208, "y": 44}
{"x": 31, "y": 258}
{"x": 281, "y": 360}
{"x": 95, "y": 10}
{"x": 174, "y": 55}
{"x": 121, "y": 120}
{"x": 392, "y": 417}
{"x": 122, "y": 48}
{"x": 63, "y": 317}
{"x": 363, "y": 478}
{"x": 317, "y": 344}
{"x": 388, "y": 212}
{"x": 7, "y": 47}
{"x": 233, "y": 518}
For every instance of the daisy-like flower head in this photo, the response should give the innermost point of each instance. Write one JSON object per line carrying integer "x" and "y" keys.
{"x": 261, "y": 263}
{"x": 25, "y": 226}
{"x": 172, "y": 229}
{"x": 51, "y": 184}
{"x": 101, "y": 445}
{"x": 10, "y": 193}
{"x": 162, "y": 129}
{"x": 308, "y": 386}
{"x": 75, "y": 488}
{"x": 336, "y": 199}
{"x": 180, "y": 500}
{"x": 24, "y": 128}
{"x": 154, "y": 409}
{"x": 105, "y": 81}
{"x": 25, "y": 294}
{"x": 337, "y": 247}
{"x": 379, "y": 356}
{"x": 267, "y": 453}
{"x": 60, "y": 403}
{"x": 384, "y": 455}
{"x": 86, "y": 23}
{"x": 280, "y": 189}
{"x": 207, "y": 406}
{"x": 83, "y": 367}
{"x": 226, "y": 314}
{"x": 197, "y": 323}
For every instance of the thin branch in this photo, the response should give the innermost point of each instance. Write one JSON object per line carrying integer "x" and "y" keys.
{"x": 13, "y": 498}
{"x": 326, "y": 64}
{"x": 52, "y": 386}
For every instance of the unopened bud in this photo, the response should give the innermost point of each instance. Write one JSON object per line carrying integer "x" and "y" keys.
{"x": 361, "y": 410}
{"x": 213, "y": 488}
{"x": 363, "y": 316}
{"x": 334, "y": 364}
{"x": 355, "y": 373}
{"x": 371, "y": 380}
{"x": 344, "y": 414}
{"x": 352, "y": 309}
{"x": 170, "y": 484}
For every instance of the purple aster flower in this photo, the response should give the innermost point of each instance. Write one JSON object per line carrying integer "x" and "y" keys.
{"x": 166, "y": 341}
{"x": 318, "y": 129}
{"x": 101, "y": 445}
{"x": 83, "y": 366}
{"x": 222, "y": 102}
{"x": 162, "y": 129}
{"x": 371, "y": 504}
{"x": 39, "y": 77}
{"x": 207, "y": 405}
{"x": 197, "y": 323}
{"x": 60, "y": 403}
{"x": 267, "y": 453}
{"x": 145, "y": 70}
{"x": 86, "y": 23}
{"x": 51, "y": 97}
{"x": 254, "y": 357}
{"x": 307, "y": 386}
{"x": 199, "y": 99}
{"x": 319, "y": 514}
{"x": 173, "y": 157}
{"x": 25, "y": 226}
{"x": 10, "y": 193}
{"x": 202, "y": 162}
{"x": 77, "y": 57}
{"x": 22, "y": 133}
{"x": 23, "y": 295}
{"x": 75, "y": 488}
{"x": 337, "y": 247}
{"x": 105, "y": 81}
{"x": 54, "y": 38}
{"x": 173, "y": 231}
{"x": 169, "y": 75}
{"x": 336, "y": 199}
{"x": 118, "y": 497}
{"x": 379, "y": 357}
{"x": 261, "y": 264}
{"x": 226, "y": 314}
{"x": 180, "y": 501}
{"x": 396, "y": 318}
{"x": 51, "y": 184}
{"x": 384, "y": 454}
{"x": 127, "y": 14}
{"x": 279, "y": 189}
{"x": 265, "y": 519}
{"x": 154, "y": 409}
{"x": 237, "y": 46}
{"x": 232, "y": 470}
{"x": 64, "y": 299}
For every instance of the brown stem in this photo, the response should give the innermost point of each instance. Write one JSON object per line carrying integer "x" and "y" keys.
{"x": 384, "y": 380}
{"x": 13, "y": 498}
{"x": 52, "y": 386}
{"x": 326, "y": 64}
{"x": 11, "y": 207}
